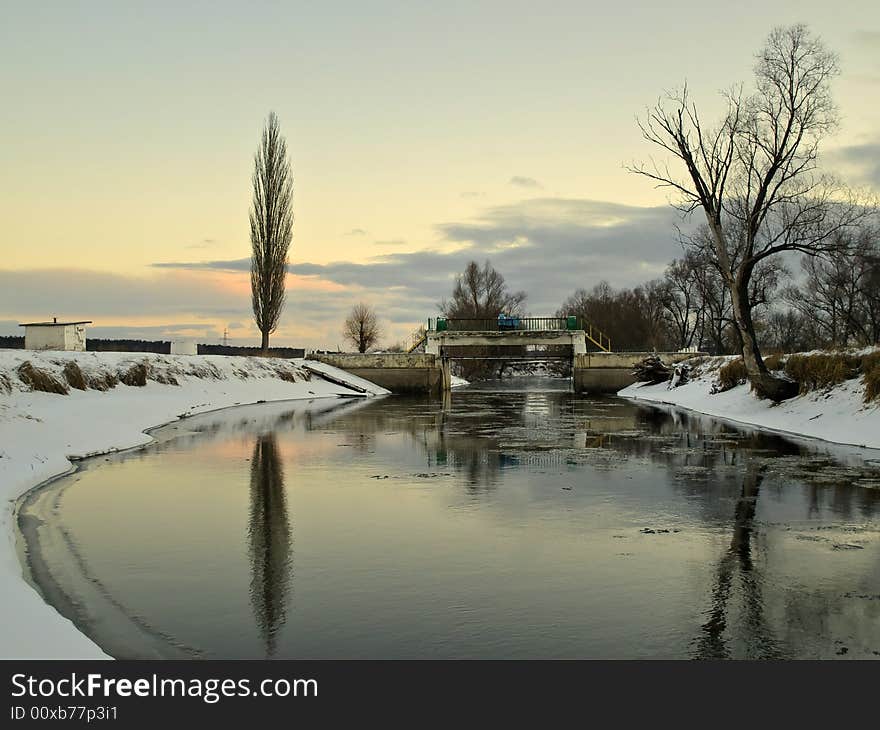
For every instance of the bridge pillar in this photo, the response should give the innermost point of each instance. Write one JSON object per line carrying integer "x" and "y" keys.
{"x": 579, "y": 343}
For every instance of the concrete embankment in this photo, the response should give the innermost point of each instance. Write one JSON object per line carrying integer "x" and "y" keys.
{"x": 398, "y": 372}
{"x": 608, "y": 372}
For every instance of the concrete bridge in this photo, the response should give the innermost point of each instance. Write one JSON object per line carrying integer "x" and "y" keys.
{"x": 507, "y": 338}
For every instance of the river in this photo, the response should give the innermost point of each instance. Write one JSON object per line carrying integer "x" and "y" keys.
{"x": 510, "y": 520}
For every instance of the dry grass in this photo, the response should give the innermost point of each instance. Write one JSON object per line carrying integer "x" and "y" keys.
{"x": 286, "y": 375}
{"x": 136, "y": 375}
{"x": 871, "y": 376}
{"x": 40, "y": 380}
{"x": 731, "y": 375}
{"x": 103, "y": 381}
{"x": 74, "y": 376}
{"x": 823, "y": 370}
{"x": 774, "y": 362}
{"x": 164, "y": 378}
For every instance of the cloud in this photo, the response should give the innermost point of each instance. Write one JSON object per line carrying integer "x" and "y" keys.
{"x": 860, "y": 163}
{"x": 356, "y": 232}
{"x": 471, "y": 194}
{"x": 524, "y": 182}
{"x": 869, "y": 38}
{"x": 204, "y": 243}
{"x": 392, "y": 242}
{"x": 545, "y": 246}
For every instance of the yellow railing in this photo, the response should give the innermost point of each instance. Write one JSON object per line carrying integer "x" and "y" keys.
{"x": 597, "y": 337}
{"x": 417, "y": 342}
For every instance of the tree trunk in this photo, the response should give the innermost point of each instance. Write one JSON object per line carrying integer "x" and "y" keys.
{"x": 265, "y": 343}
{"x": 763, "y": 383}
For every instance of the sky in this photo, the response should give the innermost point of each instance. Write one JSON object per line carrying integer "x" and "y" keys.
{"x": 421, "y": 134}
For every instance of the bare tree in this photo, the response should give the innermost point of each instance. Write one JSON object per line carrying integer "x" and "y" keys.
{"x": 755, "y": 174}
{"x": 482, "y": 293}
{"x": 271, "y": 219}
{"x": 362, "y": 327}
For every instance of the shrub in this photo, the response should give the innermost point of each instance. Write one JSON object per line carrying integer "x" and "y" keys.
{"x": 731, "y": 375}
{"x": 40, "y": 380}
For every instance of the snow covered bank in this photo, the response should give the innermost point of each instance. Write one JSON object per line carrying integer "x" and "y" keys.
{"x": 457, "y": 382}
{"x": 39, "y": 430}
{"x": 836, "y": 414}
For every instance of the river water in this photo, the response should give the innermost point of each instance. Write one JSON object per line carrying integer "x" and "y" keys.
{"x": 513, "y": 520}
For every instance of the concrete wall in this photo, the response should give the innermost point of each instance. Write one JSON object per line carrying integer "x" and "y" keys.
{"x": 608, "y": 372}
{"x": 399, "y": 372}
{"x": 56, "y": 337}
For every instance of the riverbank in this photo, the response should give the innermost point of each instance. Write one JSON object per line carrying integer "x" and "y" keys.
{"x": 837, "y": 414}
{"x": 61, "y": 406}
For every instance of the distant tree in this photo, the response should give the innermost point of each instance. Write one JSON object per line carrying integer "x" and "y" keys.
{"x": 755, "y": 175}
{"x": 362, "y": 327}
{"x": 682, "y": 302}
{"x": 634, "y": 319}
{"x": 271, "y": 222}
{"x": 698, "y": 303}
{"x": 840, "y": 296}
{"x": 788, "y": 331}
{"x": 482, "y": 293}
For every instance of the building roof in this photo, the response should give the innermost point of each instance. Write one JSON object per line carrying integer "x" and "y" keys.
{"x": 53, "y": 324}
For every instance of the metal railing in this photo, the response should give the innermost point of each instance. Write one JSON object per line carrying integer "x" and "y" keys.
{"x": 499, "y": 324}
{"x": 511, "y": 323}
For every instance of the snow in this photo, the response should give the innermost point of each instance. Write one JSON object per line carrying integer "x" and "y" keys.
{"x": 40, "y": 431}
{"x": 457, "y": 382}
{"x": 838, "y": 414}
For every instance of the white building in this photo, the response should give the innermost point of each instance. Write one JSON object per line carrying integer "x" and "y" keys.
{"x": 55, "y": 335}
{"x": 184, "y": 346}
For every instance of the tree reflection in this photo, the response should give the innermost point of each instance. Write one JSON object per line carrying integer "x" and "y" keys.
{"x": 269, "y": 541}
{"x": 713, "y": 641}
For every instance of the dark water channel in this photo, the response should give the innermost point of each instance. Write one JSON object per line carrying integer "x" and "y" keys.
{"x": 515, "y": 521}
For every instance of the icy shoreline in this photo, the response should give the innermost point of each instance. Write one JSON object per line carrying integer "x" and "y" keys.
{"x": 41, "y": 432}
{"x": 837, "y": 415}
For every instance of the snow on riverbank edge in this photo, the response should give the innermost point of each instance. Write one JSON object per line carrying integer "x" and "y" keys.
{"x": 40, "y": 432}
{"x": 838, "y": 414}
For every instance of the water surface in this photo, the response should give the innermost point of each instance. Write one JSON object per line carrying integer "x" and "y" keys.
{"x": 511, "y": 520}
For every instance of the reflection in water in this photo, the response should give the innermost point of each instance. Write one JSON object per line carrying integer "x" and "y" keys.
{"x": 713, "y": 643}
{"x": 495, "y": 524}
{"x": 269, "y": 541}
